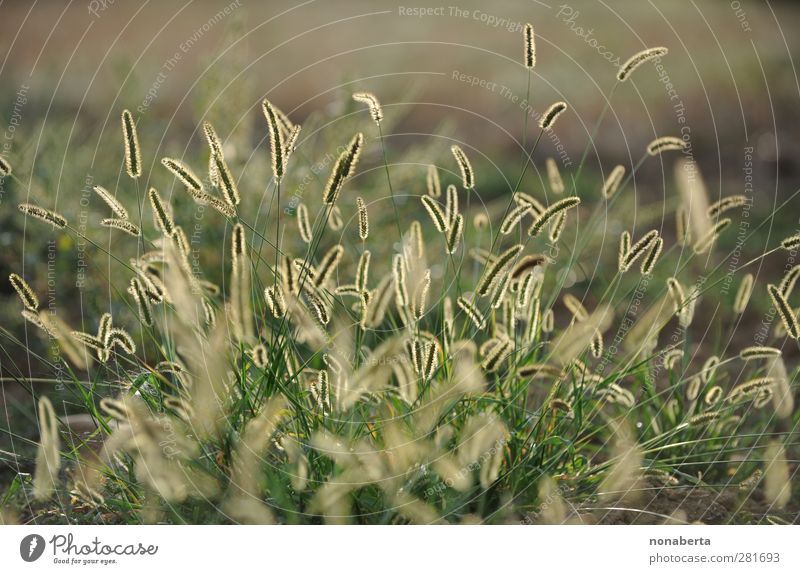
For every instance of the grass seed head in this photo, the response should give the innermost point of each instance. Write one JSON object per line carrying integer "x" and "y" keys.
{"x": 26, "y": 294}
{"x": 726, "y": 204}
{"x": 550, "y": 116}
{"x": 375, "y": 110}
{"x": 454, "y": 234}
{"x": 551, "y": 212}
{"x": 495, "y": 269}
{"x": 343, "y": 169}
{"x": 613, "y": 181}
{"x": 638, "y": 59}
{"x": 5, "y": 167}
{"x": 666, "y": 143}
{"x": 530, "y": 47}
{"x": 161, "y": 215}
{"x": 51, "y": 217}
{"x": 472, "y": 312}
{"x": 112, "y": 202}
{"x": 759, "y": 352}
{"x": 363, "y": 219}
{"x": 183, "y": 172}
{"x": 433, "y": 183}
{"x": 226, "y": 182}
{"x": 438, "y": 216}
{"x": 276, "y": 142}
{"x": 640, "y": 247}
{"x": 467, "y": 175}
{"x": 122, "y": 225}
{"x": 785, "y": 311}
{"x": 791, "y": 243}
{"x": 133, "y": 156}
{"x": 48, "y": 457}
{"x": 304, "y": 223}
{"x": 743, "y": 293}
{"x": 275, "y": 301}
{"x": 652, "y": 256}
{"x": 554, "y": 176}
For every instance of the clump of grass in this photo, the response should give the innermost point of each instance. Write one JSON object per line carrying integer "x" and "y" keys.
{"x": 344, "y": 380}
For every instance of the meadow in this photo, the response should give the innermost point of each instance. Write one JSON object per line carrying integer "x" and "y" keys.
{"x": 327, "y": 328}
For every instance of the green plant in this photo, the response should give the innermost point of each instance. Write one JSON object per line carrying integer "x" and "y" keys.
{"x": 290, "y": 394}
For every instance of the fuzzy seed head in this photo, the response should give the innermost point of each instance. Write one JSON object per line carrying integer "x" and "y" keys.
{"x": 51, "y": 217}
{"x": 550, "y": 116}
{"x": 652, "y": 256}
{"x": 638, "y": 59}
{"x": 514, "y": 217}
{"x": 667, "y": 143}
{"x": 759, "y": 352}
{"x": 26, "y": 294}
{"x": 438, "y": 216}
{"x": 363, "y": 219}
{"x": 375, "y": 110}
{"x": 791, "y": 243}
{"x": 433, "y": 182}
{"x": 496, "y": 268}
{"x": 111, "y": 201}
{"x": 743, "y": 294}
{"x": 613, "y": 181}
{"x": 183, "y": 172}
{"x": 530, "y": 47}
{"x": 557, "y": 226}
{"x": 343, "y": 169}
{"x": 638, "y": 248}
{"x": 226, "y": 182}
{"x": 275, "y": 301}
{"x": 785, "y": 311}
{"x": 554, "y": 176}
{"x": 5, "y": 167}
{"x": 726, "y": 204}
{"x": 467, "y": 175}
{"x": 550, "y": 213}
{"x": 328, "y": 264}
{"x": 362, "y": 271}
{"x": 472, "y": 312}
{"x": 122, "y": 225}
{"x": 276, "y": 142}
{"x": 454, "y": 234}
{"x": 133, "y": 157}
{"x": 304, "y": 223}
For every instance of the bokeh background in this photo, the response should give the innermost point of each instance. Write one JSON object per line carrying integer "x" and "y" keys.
{"x": 444, "y": 72}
